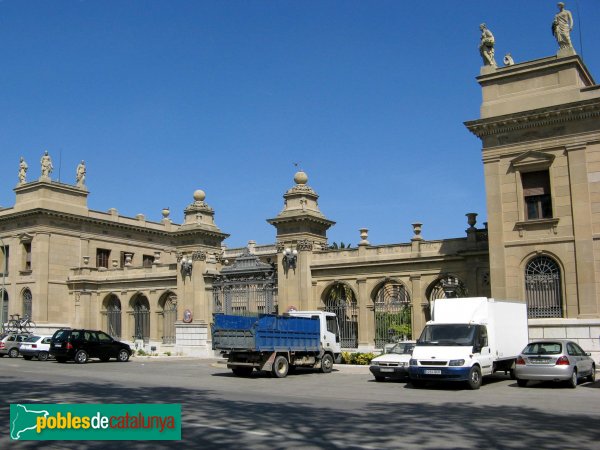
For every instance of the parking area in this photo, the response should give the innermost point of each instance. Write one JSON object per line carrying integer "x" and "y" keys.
{"x": 344, "y": 409}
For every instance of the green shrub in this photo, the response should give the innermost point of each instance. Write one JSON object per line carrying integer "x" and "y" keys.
{"x": 362, "y": 359}
{"x": 168, "y": 353}
{"x": 141, "y": 352}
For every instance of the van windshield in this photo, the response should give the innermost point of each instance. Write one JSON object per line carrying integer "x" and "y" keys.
{"x": 448, "y": 334}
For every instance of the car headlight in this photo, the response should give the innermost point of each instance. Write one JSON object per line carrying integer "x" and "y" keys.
{"x": 374, "y": 363}
{"x": 456, "y": 362}
{"x": 413, "y": 362}
{"x": 402, "y": 364}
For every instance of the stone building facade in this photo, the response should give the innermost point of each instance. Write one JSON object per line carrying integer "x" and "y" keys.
{"x": 157, "y": 284}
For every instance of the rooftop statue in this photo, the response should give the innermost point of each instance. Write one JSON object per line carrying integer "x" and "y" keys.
{"x": 47, "y": 166}
{"x": 561, "y": 29}
{"x": 22, "y": 171}
{"x": 486, "y": 46}
{"x": 80, "y": 174}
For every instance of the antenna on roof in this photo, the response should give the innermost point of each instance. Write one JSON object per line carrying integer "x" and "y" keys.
{"x": 59, "y": 162}
{"x": 579, "y": 26}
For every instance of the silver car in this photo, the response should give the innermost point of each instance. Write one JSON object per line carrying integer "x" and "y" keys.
{"x": 554, "y": 360}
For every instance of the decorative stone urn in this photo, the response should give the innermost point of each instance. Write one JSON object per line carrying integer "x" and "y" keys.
{"x": 471, "y": 220}
{"x": 417, "y": 227}
{"x": 364, "y": 234}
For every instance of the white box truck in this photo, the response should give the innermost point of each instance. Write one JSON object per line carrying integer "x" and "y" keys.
{"x": 468, "y": 338}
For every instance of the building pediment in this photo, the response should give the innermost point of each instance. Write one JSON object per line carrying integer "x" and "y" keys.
{"x": 532, "y": 160}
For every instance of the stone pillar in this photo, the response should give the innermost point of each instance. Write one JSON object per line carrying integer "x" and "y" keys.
{"x": 366, "y": 319}
{"x": 587, "y": 300}
{"x": 40, "y": 253}
{"x": 419, "y": 302}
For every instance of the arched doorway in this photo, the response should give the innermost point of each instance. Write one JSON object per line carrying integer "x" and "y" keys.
{"x": 168, "y": 304}
{"x": 447, "y": 286}
{"x": 113, "y": 316}
{"x": 543, "y": 288}
{"x": 340, "y": 299}
{"x": 141, "y": 318}
{"x": 393, "y": 314}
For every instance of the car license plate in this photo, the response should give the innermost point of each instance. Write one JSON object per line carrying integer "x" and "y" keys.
{"x": 58, "y": 345}
{"x": 386, "y": 369}
{"x": 433, "y": 372}
{"x": 538, "y": 361}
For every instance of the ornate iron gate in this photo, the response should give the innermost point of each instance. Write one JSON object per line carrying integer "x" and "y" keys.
{"x": 542, "y": 287}
{"x": 393, "y": 314}
{"x": 113, "y": 317}
{"x": 248, "y": 287}
{"x": 141, "y": 319}
{"x": 169, "y": 317}
{"x": 346, "y": 310}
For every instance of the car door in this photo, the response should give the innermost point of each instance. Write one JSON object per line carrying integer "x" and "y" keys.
{"x": 585, "y": 361}
{"x": 576, "y": 358}
{"x": 91, "y": 344}
{"x": 107, "y": 345}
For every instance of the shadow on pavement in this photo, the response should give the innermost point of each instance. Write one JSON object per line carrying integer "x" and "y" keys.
{"x": 210, "y": 421}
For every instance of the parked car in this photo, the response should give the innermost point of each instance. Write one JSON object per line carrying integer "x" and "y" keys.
{"x": 36, "y": 347}
{"x": 81, "y": 345}
{"x": 554, "y": 360}
{"x": 394, "y": 363}
{"x": 10, "y": 343}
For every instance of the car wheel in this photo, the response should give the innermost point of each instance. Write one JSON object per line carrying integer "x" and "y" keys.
{"x": 27, "y": 358}
{"x": 378, "y": 378}
{"x": 242, "y": 371}
{"x": 13, "y": 352}
{"x": 521, "y": 383}
{"x": 123, "y": 356}
{"x": 592, "y": 376}
{"x": 573, "y": 380}
{"x": 327, "y": 363}
{"x": 280, "y": 367}
{"x": 42, "y": 356}
{"x": 81, "y": 357}
{"x": 474, "y": 378}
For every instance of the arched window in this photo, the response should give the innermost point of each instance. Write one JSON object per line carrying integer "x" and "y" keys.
{"x": 113, "y": 316}
{"x": 141, "y": 318}
{"x": 542, "y": 288}
{"x": 27, "y": 300}
{"x": 4, "y": 306}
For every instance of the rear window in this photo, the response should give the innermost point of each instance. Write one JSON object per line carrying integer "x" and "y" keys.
{"x": 543, "y": 348}
{"x": 61, "y": 335}
{"x": 32, "y": 339}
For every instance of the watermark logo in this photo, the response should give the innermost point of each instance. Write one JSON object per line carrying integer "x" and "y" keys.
{"x": 95, "y": 422}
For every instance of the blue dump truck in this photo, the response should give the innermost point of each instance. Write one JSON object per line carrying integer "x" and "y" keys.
{"x": 277, "y": 344}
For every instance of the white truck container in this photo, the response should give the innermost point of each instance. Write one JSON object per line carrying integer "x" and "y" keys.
{"x": 468, "y": 338}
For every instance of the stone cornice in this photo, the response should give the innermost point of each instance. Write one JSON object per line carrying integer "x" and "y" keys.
{"x": 300, "y": 218}
{"x": 82, "y": 219}
{"x": 535, "y": 118}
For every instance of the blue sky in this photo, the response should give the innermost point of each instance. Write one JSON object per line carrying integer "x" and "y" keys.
{"x": 164, "y": 97}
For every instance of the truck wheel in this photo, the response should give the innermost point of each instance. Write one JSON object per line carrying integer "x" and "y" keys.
{"x": 327, "y": 363}
{"x": 475, "y": 378}
{"x": 417, "y": 383}
{"x": 280, "y": 367}
{"x": 242, "y": 371}
{"x": 521, "y": 383}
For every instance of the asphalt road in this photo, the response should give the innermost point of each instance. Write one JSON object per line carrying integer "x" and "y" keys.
{"x": 346, "y": 409}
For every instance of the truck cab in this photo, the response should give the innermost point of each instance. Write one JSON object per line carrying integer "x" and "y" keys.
{"x": 330, "y": 330}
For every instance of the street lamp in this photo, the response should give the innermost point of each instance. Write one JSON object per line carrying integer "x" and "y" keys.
{"x": 289, "y": 258}
{"x": 3, "y": 283}
{"x": 186, "y": 265}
